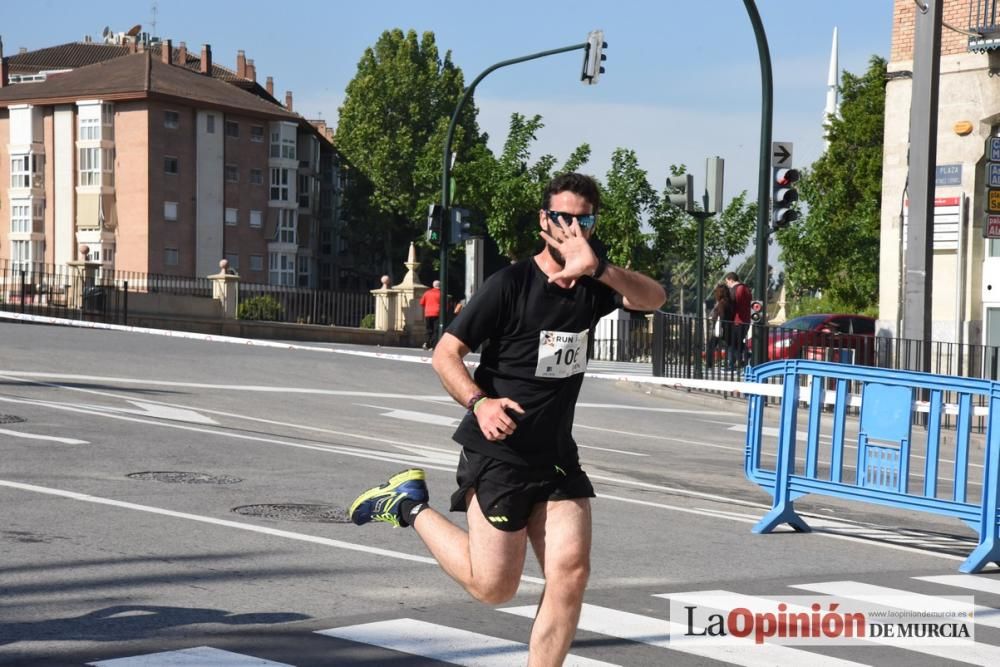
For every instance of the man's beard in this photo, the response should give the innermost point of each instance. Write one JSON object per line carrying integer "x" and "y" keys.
{"x": 556, "y": 255}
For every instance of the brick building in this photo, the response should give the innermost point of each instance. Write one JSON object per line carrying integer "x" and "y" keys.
{"x": 161, "y": 161}
{"x": 966, "y": 270}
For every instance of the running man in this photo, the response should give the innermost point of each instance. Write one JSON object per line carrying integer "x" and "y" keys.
{"x": 519, "y": 473}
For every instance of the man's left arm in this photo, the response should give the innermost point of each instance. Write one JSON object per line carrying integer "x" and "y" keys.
{"x": 639, "y": 292}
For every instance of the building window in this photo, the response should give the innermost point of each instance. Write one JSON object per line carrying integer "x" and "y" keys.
{"x": 256, "y": 219}
{"x": 25, "y": 252}
{"x": 303, "y": 191}
{"x": 232, "y": 215}
{"x": 210, "y": 123}
{"x": 282, "y": 269}
{"x": 170, "y": 165}
{"x": 257, "y": 134}
{"x": 283, "y": 146}
{"x": 303, "y": 271}
{"x": 169, "y": 210}
{"x": 234, "y": 261}
{"x": 232, "y": 173}
{"x": 286, "y": 226}
{"x": 90, "y": 166}
{"x": 171, "y": 120}
{"x": 20, "y": 171}
{"x": 256, "y": 177}
{"x": 279, "y": 184}
{"x": 171, "y": 256}
{"x": 109, "y": 256}
{"x": 20, "y": 219}
{"x": 108, "y": 114}
{"x": 90, "y": 129}
{"x": 256, "y": 262}
{"x": 232, "y": 129}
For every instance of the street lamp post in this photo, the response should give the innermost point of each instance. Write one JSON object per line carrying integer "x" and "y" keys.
{"x": 446, "y": 167}
{"x": 763, "y": 178}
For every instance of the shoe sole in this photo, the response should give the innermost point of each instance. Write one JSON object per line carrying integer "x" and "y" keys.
{"x": 411, "y": 475}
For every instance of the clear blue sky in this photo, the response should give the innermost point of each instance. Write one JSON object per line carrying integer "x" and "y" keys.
{"x": 682, "y": 81}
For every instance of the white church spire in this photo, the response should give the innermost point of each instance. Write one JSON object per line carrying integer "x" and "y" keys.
{"x": 832, "y": 89}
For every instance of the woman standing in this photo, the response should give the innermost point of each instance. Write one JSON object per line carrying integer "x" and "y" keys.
{"x": 721, "y": 331}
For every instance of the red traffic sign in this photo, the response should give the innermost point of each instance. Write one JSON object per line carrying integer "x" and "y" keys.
{"x": 991, "y": 229}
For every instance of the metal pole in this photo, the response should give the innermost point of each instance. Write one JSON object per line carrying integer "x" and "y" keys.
{"x": 699, "y": 318}
{"x": 763, "y": 180}
{"x": 919, "y": 267}
{"x": 446, "y": 170}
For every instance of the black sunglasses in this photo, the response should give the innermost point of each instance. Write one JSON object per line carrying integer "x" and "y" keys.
{"x": 560, "y": 217}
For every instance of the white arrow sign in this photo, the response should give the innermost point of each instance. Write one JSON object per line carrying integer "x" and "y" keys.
{"x": 158, "y": 411}
{"x": 781, "y": 153}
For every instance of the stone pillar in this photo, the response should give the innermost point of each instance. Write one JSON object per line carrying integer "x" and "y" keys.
{"x": 226, "y": 289}
{"x": 84, "y": 274}
{"x": 409, "y": 314}
{"x": 780, "y": 316}
{"x": 385, "y": 307}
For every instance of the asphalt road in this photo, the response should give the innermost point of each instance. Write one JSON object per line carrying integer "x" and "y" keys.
{"x": 181, "y": 502}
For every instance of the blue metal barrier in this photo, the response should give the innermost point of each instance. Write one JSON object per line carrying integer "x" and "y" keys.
{"x": 882, "y": 471}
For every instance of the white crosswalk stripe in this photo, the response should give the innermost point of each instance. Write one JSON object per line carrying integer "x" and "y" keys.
{"x": 915, "y": 601}
{"x": 665, "y": 634}
{"x": 978, "y": 654}
{"x": 200, "y": 656}
{"x": 439, "y": 642}
{"x": 454, "y": 645}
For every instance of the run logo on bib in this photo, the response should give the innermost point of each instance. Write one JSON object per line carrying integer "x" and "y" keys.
{"x": 561, "y": 354}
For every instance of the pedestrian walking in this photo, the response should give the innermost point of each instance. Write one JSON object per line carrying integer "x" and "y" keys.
{"x": 519, "y": 475}
{"x": 741, "y": 316}
{"x": 431, "y": 303}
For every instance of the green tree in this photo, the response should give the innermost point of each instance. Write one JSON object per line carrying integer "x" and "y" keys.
{"x": 516, "y": 187}
{"x": 835, "y": 247}
{"x": 675, "y": 241}
{"x": 391, "y": 129}
{"x": 627, "y": 200}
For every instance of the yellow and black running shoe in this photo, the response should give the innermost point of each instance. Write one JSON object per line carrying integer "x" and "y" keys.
{"x": 381, "y": 503}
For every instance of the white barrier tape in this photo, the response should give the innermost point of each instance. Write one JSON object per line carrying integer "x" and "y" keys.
{"x": 750, "y": 388}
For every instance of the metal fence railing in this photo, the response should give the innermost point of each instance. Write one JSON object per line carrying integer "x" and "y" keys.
{"x": 312, "y": 306}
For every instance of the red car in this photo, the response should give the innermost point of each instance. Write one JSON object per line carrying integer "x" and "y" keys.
{"x": 825, "y": 337}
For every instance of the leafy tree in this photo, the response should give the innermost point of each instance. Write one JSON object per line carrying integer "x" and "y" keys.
{"x": 391, "y": 129}
{"x": 835, "y": 247}
{"x": 676, "y": 240}
{"x": 626, "y": 201}
{"x": 516, "y": 189}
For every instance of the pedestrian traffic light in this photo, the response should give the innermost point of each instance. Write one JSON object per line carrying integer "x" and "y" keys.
{"x": 783, "y": 196}
{"x": 593, "y": 57}
{"x": 463, "y": 226}
{"x": 756, "y": 311}
{"x": 681, "y": 191}
{"x": 434, "y": 223}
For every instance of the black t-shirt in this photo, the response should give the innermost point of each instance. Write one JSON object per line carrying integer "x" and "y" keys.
{"x": 516, "y": 315}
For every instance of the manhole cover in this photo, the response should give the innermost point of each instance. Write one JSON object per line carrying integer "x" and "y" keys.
{"x": 10, "y": 419}
{"x": 175, "y": 477}
{"x": 295, "y": 512}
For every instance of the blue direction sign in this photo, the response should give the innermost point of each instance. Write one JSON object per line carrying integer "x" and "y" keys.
{"x": 994, "y": 149}
{"x": 993, "y": 174}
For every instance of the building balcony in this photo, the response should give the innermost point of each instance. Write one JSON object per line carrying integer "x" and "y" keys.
{"x": 984, "y": 19}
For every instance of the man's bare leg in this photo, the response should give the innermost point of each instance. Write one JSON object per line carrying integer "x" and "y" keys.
{"x": 486, "y": 561}
{"x": 560, "y": 533}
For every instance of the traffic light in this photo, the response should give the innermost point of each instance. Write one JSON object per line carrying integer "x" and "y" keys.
{"x": 593, "y": 57}
{"x": 434, "y": 223}
{"x": 462, "y": 225}
{"x": 681, "y": 191}
{"x": 756, "y": 311}
{"x": 783, "y": 195}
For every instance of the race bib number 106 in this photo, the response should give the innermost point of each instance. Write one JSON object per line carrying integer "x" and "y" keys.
{"x": 561, "y": 354}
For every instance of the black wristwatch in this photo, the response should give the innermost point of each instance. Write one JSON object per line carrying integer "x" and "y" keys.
{"x": 602, "y": 265}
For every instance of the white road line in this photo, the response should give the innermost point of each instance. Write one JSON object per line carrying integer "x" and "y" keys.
{"x": 662, "y": 633}
{"x": 969, "y": 581}
{"x": 608, "y": 449}
{"x": 274, "y": 532}
{"x": 200, "y": 656}
{"x": 439, "y": 642}
{"x": 699, "y": 443}
{"x": 976, "y": 654}
{"x": 913, "y": 601}
{"x": 34, "y": 436}
{"x": 414, "y": 416}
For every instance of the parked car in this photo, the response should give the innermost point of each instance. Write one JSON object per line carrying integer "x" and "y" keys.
{"x": 824, "y": 337}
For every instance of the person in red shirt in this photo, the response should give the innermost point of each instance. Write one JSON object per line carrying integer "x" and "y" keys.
{"x": 431, "y": 303}
{"x": 741, "y": 315}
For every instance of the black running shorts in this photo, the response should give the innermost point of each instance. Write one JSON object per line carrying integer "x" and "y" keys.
{"x": 507, "y": 493}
